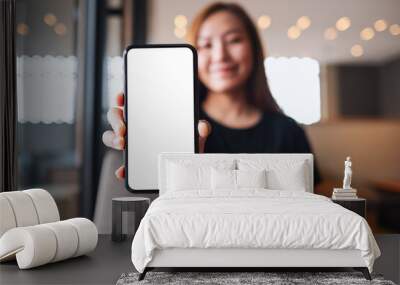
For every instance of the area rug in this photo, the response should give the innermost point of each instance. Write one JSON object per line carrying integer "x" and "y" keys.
{"x": 273, "y": 278}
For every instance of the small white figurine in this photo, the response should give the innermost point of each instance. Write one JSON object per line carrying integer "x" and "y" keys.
{"x": 347, "y": 173}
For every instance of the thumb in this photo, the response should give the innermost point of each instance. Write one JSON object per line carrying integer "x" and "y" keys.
{"x": 120, "y": 172}
{"x": 204, "y": 129}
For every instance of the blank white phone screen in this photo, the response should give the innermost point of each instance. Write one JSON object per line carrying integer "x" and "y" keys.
{"x": 160, "y": 109}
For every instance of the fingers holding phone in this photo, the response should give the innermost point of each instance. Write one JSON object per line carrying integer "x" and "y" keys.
{"x": 204, "y": 129}
{"x": 115, "y": 138}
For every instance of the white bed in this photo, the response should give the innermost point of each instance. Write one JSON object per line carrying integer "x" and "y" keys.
{"x": 198, "y": 221}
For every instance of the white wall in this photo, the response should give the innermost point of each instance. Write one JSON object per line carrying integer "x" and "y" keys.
{"x": 284, "y": 13}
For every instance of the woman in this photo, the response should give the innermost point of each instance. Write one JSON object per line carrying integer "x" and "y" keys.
{"x": 237, "y": 111}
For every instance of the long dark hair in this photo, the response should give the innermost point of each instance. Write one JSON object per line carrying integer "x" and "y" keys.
{"x": 258, "y": 93}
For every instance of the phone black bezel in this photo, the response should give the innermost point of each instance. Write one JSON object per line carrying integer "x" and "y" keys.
{"x": 126, "y": 98}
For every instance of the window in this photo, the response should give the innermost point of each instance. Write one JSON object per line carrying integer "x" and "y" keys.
{"x": 47, "y": 92}
{"x": 295, "y": 85}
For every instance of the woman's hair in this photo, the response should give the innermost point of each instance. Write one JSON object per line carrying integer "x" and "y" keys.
{"x": 258, "y": 93}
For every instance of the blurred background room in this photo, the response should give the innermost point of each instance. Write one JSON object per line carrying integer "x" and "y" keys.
{"x": 333, "y": 66}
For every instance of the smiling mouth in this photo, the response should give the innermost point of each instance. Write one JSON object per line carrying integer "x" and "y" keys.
{"x": 224, "y": 71}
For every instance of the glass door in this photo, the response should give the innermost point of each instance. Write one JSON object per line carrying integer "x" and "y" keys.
{"x": 47, "y": 47}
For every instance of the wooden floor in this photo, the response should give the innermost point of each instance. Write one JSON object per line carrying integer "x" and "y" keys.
{"x": 106, "y": 264}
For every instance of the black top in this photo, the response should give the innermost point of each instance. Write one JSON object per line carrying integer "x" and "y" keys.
{"x": 274, "y": 133}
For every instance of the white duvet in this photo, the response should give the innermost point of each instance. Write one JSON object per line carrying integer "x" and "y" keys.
{"x": 250, "y": 219}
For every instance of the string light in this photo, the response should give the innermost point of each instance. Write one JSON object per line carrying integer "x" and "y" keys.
{"x": 343, "y": 24}
{"x": 367, "y": 34}
{"x": 303, "y": 22}
{"x": 50, "y": 19}
{"x": 180, "y": 32}
{"x": 60, "y": 29}
{"x": 294, "y": 32}
{"x": 330, "y": 34}
{"x": 357, "y": 50}
{"x": 22, "y": 29}
{"x": 180, "y": 21}
{"x": 264, "y": 22}
{"x": 394, "y": 29}
{"x": 380, "y": 25}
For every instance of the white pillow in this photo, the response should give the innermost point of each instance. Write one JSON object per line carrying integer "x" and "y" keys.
{"x": 223, "y": 179}
{"x": 237, "y": 179}
{"x": 251, "y": 178}
{"x": 281, "y": 174}
{"x": 292, "y": 179}
{"x": 193, "y": 174}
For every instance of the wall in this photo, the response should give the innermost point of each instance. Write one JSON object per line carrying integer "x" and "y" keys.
{"x": 390, "y": 89}
{"x": 369, "y": 90}
{"x": 372, "y": 144}
{"x": 358, "y": 90}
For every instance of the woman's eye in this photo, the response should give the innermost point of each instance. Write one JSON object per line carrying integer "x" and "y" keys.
{"x": 234, "y": 40}
{"x": 205, "y": 46}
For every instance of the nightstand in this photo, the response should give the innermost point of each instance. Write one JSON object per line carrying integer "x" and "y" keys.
{"x": 133, "y": 205}
{"x": 357, "y": 205}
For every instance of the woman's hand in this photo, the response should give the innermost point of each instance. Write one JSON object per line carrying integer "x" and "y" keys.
{"x": 116, "y": 138}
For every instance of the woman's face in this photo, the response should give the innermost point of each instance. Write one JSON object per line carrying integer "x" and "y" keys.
{"x": 224, "y": 53}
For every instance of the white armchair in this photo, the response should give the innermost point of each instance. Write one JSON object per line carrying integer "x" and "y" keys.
{"x": 31, "y": 231}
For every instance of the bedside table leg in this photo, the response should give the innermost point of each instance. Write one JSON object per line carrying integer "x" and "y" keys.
{"x": 116, "y": 222}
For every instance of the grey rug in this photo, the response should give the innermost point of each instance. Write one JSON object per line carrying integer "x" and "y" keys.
{"x": 226, "y": 278}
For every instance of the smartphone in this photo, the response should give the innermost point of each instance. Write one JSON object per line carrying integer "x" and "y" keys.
{"x": 161, "y": 109}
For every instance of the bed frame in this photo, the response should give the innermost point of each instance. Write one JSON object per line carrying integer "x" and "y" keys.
{"x": 240, "y": 259}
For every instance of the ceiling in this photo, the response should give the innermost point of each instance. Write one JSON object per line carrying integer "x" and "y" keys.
{"x": 284, "y": 13}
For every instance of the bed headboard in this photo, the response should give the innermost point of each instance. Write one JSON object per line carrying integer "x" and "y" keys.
{"x": 164, "y": 158}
